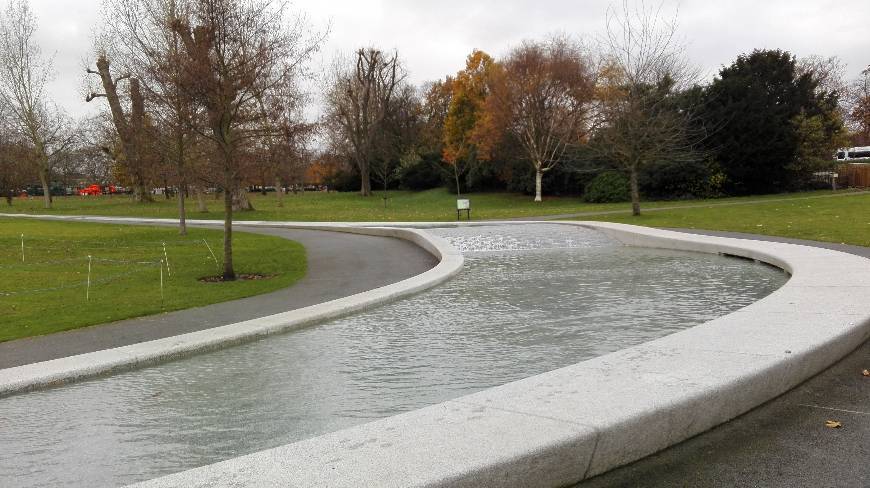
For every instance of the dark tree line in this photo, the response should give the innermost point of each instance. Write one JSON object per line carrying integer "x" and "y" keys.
{"x": 632, "y": 107}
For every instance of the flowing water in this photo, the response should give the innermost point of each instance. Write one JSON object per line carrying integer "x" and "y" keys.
{"x": 530, "y": 299}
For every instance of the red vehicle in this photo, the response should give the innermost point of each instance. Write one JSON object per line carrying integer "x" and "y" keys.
{"x": 91, "y": 190}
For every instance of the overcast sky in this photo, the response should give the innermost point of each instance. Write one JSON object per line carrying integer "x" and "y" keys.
{"x": 434, "y": 37}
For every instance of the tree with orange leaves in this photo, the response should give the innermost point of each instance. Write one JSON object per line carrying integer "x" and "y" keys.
{"x": 544, "y": 101}
{"x": 437, "y": 96}
{"x": 468, "y": 134}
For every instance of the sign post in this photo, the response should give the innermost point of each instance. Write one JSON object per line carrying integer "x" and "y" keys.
{"x": 463, "y": 205}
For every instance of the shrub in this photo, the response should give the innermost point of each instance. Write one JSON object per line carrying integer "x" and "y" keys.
{"x": 345, "y": 179}
{"x": 674, "y": 180}
{"x": 607, "y": 187}
{"x": 421, "y": 173}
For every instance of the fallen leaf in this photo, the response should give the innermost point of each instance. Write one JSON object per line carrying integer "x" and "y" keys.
{"x": 866, "y": 372}
{"x": 833, "y": 424}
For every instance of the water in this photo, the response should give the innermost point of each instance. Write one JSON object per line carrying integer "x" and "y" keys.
{"x": 530, "y": 299}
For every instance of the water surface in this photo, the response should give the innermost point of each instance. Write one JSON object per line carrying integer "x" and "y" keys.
{"x": 530, "y": 299}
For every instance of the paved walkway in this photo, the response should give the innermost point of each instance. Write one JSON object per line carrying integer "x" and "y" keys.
{"x": 783, "y": 443}
{"x": 339, "y": 265}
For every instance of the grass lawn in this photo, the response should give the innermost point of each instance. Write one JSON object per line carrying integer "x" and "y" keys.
{"x": 819, "y": 215}
{"x": 431, "y": 205}
{"x": 843, "y": 219}
{"x": 48, "y": 293}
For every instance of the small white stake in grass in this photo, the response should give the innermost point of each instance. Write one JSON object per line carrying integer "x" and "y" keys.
{"x": 22, "y": 248}
{"x": 166, "y": 257}
{"x": 161, "y": 280}
{"x": 88, "y": 290}
{"x": 216, "y": 265}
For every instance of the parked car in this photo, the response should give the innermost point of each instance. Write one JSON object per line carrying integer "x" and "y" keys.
{"x": 37, "y": 191}
{"x": 91, "y": 190}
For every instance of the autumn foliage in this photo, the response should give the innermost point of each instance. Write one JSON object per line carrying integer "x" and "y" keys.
{"x": 468, "y": 128}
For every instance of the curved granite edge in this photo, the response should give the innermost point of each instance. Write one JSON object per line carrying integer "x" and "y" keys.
{"x": 80, "y": 367}
{"x": 566, "y": 425}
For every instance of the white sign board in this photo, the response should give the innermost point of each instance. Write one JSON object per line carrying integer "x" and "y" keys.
{"x": 463, "y": 204}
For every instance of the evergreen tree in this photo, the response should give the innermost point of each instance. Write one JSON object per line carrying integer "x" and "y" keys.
{"x": 755, "y": 110}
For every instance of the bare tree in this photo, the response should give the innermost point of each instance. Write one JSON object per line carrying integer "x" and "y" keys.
{"x": 640, "y": 122}
{"x": 283, "y": 151}
{"x": 234, "y": 52}
{"x": 149, "y": 47}
{"x": 858, "y": 109}
{"x": 24, "y": 74}
{"x": 358, "y": 103}
{"x": 99, "y": 144}
{"x": 829, "y": 73}
{"x": 13, "y": 172}
{"x": 547, "y": 94}
{"x": 130, "y": 126}
{"x": 399, "y": 137}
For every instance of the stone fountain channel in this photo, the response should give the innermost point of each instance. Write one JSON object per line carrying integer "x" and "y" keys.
{"x": 530, "y": 299}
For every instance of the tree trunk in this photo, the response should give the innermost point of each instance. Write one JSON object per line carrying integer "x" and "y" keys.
{"x": 141, "y": 193}
{"x": 182, "y": 214}
{"x": 386, "y": 193}
{"x": 456, "y": 175}
{"x": 134, "y": 144}
{"x": 46, "y": 186}
{"x": 279, "y": 192}
{"x": 229, "y": 272}
{"x": 129, "y": 131}
{"x": 9, "y": 197}
{"x": 539, "y": 175}
{"x": 240, "y": 200}
{"x": 365, "y": 181}
{"x": 635, "y": 193}
{"x": 182, "y": 186}
{"x": 200, "y": 200}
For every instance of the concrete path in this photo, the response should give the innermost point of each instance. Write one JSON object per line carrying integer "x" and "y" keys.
{"x": 339, "y": 265}
{"x": 783, "y": 443}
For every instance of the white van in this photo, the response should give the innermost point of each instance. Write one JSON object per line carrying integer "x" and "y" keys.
{"x": 854, "y": 153}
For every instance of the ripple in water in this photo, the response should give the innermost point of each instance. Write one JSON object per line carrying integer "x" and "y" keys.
{"x": 530, "y": 299}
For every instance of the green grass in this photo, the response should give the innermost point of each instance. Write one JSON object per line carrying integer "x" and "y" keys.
{"x": 818, "y": 215}
{"x": 47, "y": 292}
{"x": 842, "y": 219}
{"x": 431, "y": 205}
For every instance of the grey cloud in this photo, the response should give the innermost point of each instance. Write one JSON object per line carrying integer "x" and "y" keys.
{"x": 434, "y": 37}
